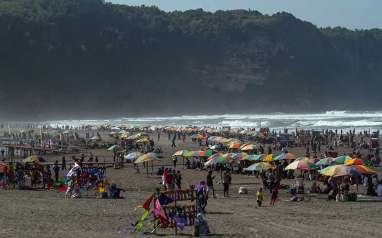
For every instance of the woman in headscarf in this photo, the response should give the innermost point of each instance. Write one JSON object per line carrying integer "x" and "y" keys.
{"x": 201, "y": 197}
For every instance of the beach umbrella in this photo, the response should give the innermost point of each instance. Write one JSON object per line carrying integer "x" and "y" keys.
{"x": 95, "y": 138}
{"x": 285, "y": 156}
{"x": 343, "y": 170}
{"x": 341, "y": 159}
{"x": 325, "y": 161}
{"x": 268, "y": 158}
{"x": 121, "y": 132}
{"x": 135, "y": 136}
{"x": 262, "y": 166}
{"x": 301, "y": 165}
{"x": 234, "y": 156}
{"x": 218, "y": 159}
{"x": 33, "y": 158}
{"x": 234, "y": 145}
{"x": 248, "y": 147}
{"x": 133, "y": 156}
{"x": 190, "y": 153}
{"x": 125, "y": 135}
{"x": 362, "y": 169}
{"x": 143, "y": 140}
{"x": 199, "y": 153}
{"x": 180, "y": 153}
{"x": 113, "y": 147}
{"x": 254, "y": 157}
{"x": 146, "y": 158}
{"x": 354, "y": 162}
{"x": 239, "y": 156}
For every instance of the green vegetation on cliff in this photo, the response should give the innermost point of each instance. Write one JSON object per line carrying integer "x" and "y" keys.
{"x": 68, "y": 58}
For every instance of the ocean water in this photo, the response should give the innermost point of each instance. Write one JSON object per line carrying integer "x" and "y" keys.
{"x": 326, "y": 120}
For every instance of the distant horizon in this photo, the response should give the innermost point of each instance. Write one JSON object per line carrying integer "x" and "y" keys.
{"x": 351, "y": 14}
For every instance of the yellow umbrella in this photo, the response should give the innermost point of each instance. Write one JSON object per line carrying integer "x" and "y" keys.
{"x": 268, "y": 158}
{"x": 146, "y": 158}
{"x": 143, "y": 140}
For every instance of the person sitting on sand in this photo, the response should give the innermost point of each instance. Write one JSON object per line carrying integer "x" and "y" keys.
{"x": 115, "y": 192}
{"x": 315, "y": 188}
{"x": 379, "y": 189}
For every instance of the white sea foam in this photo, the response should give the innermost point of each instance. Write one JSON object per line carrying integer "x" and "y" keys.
{"x": 329, "y": 119}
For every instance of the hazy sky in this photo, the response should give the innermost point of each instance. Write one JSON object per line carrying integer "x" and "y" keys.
{"x": 347, "y": 13}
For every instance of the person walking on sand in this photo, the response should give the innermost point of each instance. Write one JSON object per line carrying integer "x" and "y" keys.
{"x": 226, "y": 182}
{"x": 63, "y": 163}
{"x": 210, "y": 184}
{"x": 259, "y": 196}
{"x": 275, "y": 192}
{"x": 173, "y": 141}
{"x": 56, "y": 170}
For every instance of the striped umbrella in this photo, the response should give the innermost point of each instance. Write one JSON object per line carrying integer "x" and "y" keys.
{"x": 234, "y": 145}
{"x": 325, "y": 161}
{"x": 218, "y": 159}
{"x": 301, "y": 165}
{"x": 354, "y": 162}
{"x": 343, "y": 170}
{"x": 262, "y": 166}
{"x": 254, "y": 157}
{"x": 341, "y": 159}
{"x": 285, "y": 156}
{"x": 248, "y": 147}
{"x": 180, "y": 153}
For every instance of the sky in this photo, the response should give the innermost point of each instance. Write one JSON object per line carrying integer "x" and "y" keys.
{"x": 353, "y": 14}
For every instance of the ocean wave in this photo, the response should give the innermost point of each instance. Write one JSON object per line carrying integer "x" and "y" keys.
{"x": 338, "y": 123}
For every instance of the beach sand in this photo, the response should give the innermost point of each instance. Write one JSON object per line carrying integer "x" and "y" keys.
{"x": 47, "y": 214}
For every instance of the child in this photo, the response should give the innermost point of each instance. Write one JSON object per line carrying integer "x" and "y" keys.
{"x": 275, "y": 192}
{"x": 259, "y": 196}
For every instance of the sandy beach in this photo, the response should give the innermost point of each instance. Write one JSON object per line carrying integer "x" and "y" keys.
{"x": 26, "y": 213}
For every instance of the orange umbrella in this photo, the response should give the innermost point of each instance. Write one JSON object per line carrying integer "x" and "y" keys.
{"x": 354, "y": 162}
{"x": 234, "y": 146}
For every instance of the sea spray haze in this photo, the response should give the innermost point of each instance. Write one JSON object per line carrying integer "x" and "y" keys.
{"x": 90, "y": 59}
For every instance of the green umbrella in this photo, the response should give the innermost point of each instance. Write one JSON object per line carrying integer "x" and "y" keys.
{"x": 341, "y": 159}
{"x": 112, "y": 147}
